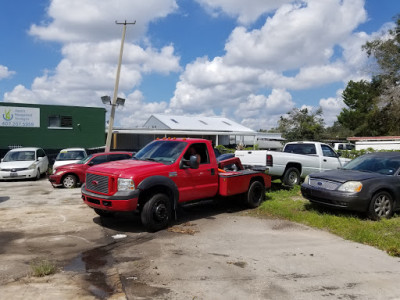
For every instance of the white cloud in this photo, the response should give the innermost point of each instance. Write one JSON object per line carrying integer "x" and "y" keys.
{"x": 297, "y": 35}
{"x": 5, "y": 72}
{"x": 246, "y": 11}
{"x": 260, "y": 111}
{"x": 331, "y": 108}
{"x": 88, "y": 71}
{"x": 94, "y": 20}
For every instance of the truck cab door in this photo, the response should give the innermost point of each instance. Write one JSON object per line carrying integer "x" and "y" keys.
{"x": 329, "y": 159}
{"x": 201, "y": 182}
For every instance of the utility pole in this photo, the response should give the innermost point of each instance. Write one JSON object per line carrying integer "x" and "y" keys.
{"x": 114, "y": 99}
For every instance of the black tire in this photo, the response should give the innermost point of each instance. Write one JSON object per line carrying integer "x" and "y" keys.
{"x": 381, "y": 206}
{"x": 104, "y": 213}
{"x": 156, "y": 213}
{"x": 69, "y": 181}
{"x": 291, "y": 177}
{"x": 255, "y": 194}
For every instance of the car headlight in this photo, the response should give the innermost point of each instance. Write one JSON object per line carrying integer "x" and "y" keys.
{"x": 59, "y": 172}
{"x": 125, "y": 184}
{"x": 307, "y": 179}
{"x": 32, "y": 166}
{"x": 351, "y": 186}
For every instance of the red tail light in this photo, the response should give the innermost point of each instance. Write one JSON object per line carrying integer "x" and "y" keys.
{"x": 269, "y": 160}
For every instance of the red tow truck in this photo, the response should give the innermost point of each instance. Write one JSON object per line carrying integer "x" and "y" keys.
{"x": 166, "y": 173}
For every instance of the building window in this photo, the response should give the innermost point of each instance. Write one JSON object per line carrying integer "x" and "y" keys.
{"x": 60, "y": 121}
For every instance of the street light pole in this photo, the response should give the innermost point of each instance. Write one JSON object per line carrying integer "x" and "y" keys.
{"x": 114, "y": 100}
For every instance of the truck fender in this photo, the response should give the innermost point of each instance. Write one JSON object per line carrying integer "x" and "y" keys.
{"x": 164, "y": 182}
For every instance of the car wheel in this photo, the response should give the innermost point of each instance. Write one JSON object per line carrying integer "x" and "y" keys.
{"x": 69, "y": 181}
{"x": 255, "y": 194}
{"x": 381, "y": 206}
{"x": 156, "y": 212}
{"x": 104, "y": 213}
{"x": 291, "y": 177}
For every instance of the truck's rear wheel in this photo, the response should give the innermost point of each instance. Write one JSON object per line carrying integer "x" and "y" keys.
{"x": 156, "y": 212}
{"x": 291, "y": 177}
{"x": 255, "y": 194}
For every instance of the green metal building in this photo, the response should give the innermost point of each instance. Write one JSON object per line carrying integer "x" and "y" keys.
{"x": 51, "y": 127}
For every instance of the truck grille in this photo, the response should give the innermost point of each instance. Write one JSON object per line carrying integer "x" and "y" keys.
{"x": 324, "y": 184}
{"x": 97, "y": 183}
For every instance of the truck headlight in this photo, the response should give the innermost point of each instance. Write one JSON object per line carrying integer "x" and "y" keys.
{"x": 125, "y": 184}
{"x": 351, "y": 186}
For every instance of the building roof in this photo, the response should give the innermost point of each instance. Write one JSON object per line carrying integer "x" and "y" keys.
{"x": 374, "y": 138}
{"x": 195, "y": 123}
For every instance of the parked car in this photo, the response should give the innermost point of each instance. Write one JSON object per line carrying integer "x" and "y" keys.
{"x": 297, "y": 160}
{"x": 24, "y": 163}
{"x": 69, "y": 156}
{"x": 369, "y": 183}
{"x": 69, "y": 176}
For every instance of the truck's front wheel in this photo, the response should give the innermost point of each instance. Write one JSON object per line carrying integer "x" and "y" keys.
{"x": 291, "y": 177}
{"x": 255, "y": 194}
{"x": 156, "y": 212}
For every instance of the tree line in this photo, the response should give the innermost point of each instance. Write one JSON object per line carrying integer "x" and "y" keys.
{"x": 372, "y": 107}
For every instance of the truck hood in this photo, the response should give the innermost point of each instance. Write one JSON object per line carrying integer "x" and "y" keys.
{"x": 127, "y": 168}
{"x": 345, "y": 175}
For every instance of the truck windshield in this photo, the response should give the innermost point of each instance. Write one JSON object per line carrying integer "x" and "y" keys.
{"x": 161, "y": 151}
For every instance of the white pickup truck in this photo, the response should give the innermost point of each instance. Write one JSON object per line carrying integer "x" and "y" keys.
{"x": 297, "y": 160}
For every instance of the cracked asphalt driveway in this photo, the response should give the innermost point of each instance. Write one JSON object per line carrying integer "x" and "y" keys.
{"x": 214, "y": 251}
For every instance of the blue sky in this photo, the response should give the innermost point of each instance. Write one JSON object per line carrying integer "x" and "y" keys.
{"x": 250, "y": 61}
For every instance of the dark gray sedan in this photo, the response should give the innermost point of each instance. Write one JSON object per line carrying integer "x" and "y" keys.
{"x": 369, "y": 183}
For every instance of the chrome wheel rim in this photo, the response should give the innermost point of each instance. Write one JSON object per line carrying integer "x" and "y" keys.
{"x": 292, "y": 178}
{"x": 382, "y": 206}
{"x": 68, "y": 182}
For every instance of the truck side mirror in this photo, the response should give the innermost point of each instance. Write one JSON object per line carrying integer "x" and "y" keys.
{"x": 193, "y": 162}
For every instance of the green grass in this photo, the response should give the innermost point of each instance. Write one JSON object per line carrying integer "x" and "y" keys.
{"x": 290, "y": 205}
{"x": 42, "y": 268}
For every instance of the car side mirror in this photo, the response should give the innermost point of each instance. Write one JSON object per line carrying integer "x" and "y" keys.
{"x": 40, "y": 158}
{"x": 91, "y": 163}
{"x": 2, "y": 160}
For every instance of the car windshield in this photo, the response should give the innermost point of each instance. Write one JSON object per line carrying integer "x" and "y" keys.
{"x": 85, "y": 160}
{"x": 19, "y": 156}
{"x": 70, "y": 155}
{"x": 161, "y": 151}
{"x": 375, "y": 164}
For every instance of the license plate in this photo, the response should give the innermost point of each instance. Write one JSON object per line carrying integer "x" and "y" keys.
{"x": 13, "y": 174}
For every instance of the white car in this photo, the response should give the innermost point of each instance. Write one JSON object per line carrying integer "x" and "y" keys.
{"x": 24, "y": 163}
{"x": 69, "y": 156}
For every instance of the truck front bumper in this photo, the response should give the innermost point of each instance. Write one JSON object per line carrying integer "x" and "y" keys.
{"x": 120, "y": 201}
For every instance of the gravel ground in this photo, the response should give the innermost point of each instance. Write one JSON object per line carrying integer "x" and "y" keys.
{"x": 214, "y": 251}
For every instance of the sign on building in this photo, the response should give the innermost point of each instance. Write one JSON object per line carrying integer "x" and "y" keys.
{"x": 12, "y": 116}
